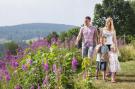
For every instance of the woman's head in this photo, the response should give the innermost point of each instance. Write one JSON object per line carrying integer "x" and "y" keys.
{"x": 109, "y": 24}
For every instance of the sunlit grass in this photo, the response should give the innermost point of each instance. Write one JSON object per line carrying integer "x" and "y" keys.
{"x": 125, "y": 78}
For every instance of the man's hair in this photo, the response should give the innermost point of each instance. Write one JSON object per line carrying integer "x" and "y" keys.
{"x": 87, "y": 17}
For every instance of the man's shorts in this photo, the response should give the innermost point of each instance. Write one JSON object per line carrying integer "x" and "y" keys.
{"x": 87, "y": 51}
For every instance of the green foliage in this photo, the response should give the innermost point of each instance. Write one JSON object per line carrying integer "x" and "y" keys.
{"x": 34, "y": 74}
{"x": 127, "y": 53}
{"x": 120, "y": 11}
{"x": 11, "y": 46}
{"x": 69, "y": 34}
{"x": 73, "y": 32}
{"x": 129, "y": 38}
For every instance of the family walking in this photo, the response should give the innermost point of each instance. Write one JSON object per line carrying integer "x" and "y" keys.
{"x": 103, "y": 44}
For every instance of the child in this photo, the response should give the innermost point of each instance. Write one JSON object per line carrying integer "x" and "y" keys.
{"x": 114, "y": 63}
{"x": 102, "y": 56}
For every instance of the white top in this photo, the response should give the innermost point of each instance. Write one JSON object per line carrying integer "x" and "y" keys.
{"x": 98, "y": 57}
{"x": 109, "y": 36}
{"x": 98, "y": 54}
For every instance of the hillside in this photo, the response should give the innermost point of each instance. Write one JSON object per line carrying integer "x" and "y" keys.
{"x": 29, "y": 31}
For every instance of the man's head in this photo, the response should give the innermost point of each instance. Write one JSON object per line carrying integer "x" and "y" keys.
{"x": 87, "y": 21}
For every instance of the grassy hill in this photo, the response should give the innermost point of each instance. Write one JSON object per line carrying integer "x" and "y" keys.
{"x": 29, "y": 31}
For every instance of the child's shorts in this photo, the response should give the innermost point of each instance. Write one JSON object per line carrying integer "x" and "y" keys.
{"x": 103, "y": 66}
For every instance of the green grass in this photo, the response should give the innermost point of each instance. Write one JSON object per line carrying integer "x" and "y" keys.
{"x": 125, "y": 78}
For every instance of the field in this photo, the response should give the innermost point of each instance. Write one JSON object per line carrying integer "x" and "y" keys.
{"x": 125, "y": 78}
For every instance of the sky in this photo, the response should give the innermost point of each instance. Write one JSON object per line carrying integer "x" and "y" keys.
{"x": 70, "y": 12}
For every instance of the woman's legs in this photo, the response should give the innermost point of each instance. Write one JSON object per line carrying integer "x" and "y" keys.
{"x": 113, "y": 77}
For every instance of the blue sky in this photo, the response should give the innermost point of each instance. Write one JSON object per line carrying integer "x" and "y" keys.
{"x": 70, "y": 12}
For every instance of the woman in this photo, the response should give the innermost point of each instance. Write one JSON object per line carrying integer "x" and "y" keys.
{"x": 109, "y": 32}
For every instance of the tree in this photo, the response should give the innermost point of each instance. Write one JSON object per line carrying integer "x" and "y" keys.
{"x": 121, "y": 12}
{"x": 73, "y": 32}
{"x": 12, "y": 47}
{"x": 132, "y": 3}
{"x": 69, "y": 34}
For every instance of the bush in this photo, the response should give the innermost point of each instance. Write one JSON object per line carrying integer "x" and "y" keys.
{"x": 47, "y": 68}
{"x": 127, "y": 53}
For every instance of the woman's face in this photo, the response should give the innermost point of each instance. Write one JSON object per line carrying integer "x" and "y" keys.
{"x": 108, "y": 23}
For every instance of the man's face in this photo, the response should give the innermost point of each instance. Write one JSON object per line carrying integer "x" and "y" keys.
{"x": 87, "y": 21}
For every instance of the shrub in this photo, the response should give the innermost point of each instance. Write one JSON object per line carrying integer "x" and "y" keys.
{"x": 127, "y": 53}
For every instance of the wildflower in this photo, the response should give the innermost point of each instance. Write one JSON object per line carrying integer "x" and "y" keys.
{"x": 7, "y": 77}
{"x": 32, "y": 87}
{"x": 45, "y": 81}
{"x": 46, "y": 66}
{"x": 0, "y": 77}
{"x": 39, "y": 86}
{"x": 24, "y": 67}
{"x": 18, "y": 87}
{"x": 74, "y": 64}
{"x": 54, "y": 68}
{"x": 15, "y": 64}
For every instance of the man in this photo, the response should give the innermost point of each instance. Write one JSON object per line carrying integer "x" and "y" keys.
{"x": 88, "y": 33}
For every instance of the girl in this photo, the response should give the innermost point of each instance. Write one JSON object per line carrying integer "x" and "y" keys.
{"x": 114, "y": 63}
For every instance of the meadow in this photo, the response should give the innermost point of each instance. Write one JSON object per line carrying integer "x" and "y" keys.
{"x": 48, "y": 66}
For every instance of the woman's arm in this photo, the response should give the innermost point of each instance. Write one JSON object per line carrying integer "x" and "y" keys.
{"x": 115, "y": 39}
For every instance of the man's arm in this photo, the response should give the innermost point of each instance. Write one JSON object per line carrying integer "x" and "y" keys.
{"x": 79, "y": 36}
{"x": 95, "y": 36}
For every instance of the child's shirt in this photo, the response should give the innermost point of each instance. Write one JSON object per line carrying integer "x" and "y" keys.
{"x": 104, "y": 52}
{"x": 98, "y": 52}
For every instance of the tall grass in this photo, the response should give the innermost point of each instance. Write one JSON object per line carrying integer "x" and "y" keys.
{"x": 127, "y": 52}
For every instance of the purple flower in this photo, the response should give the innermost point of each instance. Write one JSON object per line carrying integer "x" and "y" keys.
{"x": 24, "y": 67}
{"x": 30, "y": 62}
{"x": 46, "y": 66}
{"x": 53, "y": 40}
{"x": 2, "y": 66}
{"x": 54, "y": 68}
{"x": 39, "y": 87}
{"x": 0, "y": 77}
{"x": 45, "y": 81}
{"x": 32, "y": 87}
{"x": 6, "y": 72}
{"x": 18, "y": 87}
{"x": 39, "y": 43}
{"x": 8, "y": 77}
{"x": 15, "y": 64}
{"x": 74, "y": 64}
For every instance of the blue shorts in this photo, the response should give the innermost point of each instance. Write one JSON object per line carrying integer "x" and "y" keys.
{"x": 103, "y": 66}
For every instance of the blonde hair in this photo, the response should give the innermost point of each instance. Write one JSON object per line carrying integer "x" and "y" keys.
{"x": 111, "y": 25}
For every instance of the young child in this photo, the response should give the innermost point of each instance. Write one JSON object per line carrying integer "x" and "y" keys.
{"x": 102, "y": 57}
{"x": 114, "y": 63}
{"x": 97, "y": 51}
